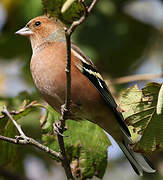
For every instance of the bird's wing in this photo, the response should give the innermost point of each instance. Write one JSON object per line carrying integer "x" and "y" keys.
{"x": 89, "y": 70}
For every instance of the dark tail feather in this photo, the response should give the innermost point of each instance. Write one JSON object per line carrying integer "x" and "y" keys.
{"x": 137, "y": 160}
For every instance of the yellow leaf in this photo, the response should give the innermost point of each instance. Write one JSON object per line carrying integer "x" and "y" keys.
{"x": 66, "y": 5}
{"x": 159, "y": 108}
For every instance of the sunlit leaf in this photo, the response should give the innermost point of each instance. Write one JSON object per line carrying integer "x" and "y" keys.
{"x": 66, "y": 5}
{"x": 159, "y": 109}
{"x": 53, "y": 8}
{"x": 140, "y": 112}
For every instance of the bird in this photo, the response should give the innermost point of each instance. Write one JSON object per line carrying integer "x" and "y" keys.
{"x": 91, "y": 98}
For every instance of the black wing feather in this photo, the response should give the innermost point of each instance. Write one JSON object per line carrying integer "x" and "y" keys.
{"x": 105, "y": 93}
{"x": 100, "y": 86}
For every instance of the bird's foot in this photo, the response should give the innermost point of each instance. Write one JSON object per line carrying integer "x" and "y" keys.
{"x": 66, "y": 113}
{"x": 58, "y": 129}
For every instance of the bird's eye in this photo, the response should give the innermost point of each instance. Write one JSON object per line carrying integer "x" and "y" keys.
{"x": 37, "y": 23}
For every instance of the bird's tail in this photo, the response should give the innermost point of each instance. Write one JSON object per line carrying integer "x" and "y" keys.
{"x": 139, "y": 162}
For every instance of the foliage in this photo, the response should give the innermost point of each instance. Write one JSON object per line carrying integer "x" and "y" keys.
{"x": 86, "y": 145}
{"x": 10, "y": 153}
{"x": 140, "y": 112}
{"x": 159, "y": 108}
{"x": 53, "y": 8}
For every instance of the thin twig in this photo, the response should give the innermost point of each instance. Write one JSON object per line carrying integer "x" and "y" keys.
{"x": 32, "y": 142}
{"x": 137, "y": 77}
{"x": 68, "y": 72}
{"x": 18, "y": 127}
{"x": 23, "y": 139}
{"x": 81, "y": 20}
{"x": 65, "y": 109}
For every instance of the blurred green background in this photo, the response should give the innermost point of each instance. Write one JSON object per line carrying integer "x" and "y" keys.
{"x": 122, "y": 37}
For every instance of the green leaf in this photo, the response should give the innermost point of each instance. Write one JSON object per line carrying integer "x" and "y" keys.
{"x": 159, "y": 109}
{"x": 9, "y": 153}
{"x": 71, "y": 13}
{"x": 140, "y": 112}
{"x": 66, "y": 5}
{"x": 86, "y": 145}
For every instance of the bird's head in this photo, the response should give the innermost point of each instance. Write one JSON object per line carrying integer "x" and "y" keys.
{"x": 43, "y": 29}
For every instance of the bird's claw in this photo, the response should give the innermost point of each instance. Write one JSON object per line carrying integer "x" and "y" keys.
{"x": 67, "y": 113}
{"x": 57, "y": 128}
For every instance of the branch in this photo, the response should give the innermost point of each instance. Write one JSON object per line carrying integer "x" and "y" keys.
{"x": 32, "y": 142}
{"x": 23, "y": 139}
{"x": 18, "y": 127}
{"x": 65, "y": 109}
{"x": 75, "y": 24}
{"x": 137, "y": 77}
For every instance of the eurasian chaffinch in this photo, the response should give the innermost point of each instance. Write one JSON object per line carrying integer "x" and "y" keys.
{"x": 91, "y": 98}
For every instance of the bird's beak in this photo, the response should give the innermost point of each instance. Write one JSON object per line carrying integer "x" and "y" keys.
{"x": 24, "y": 32}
